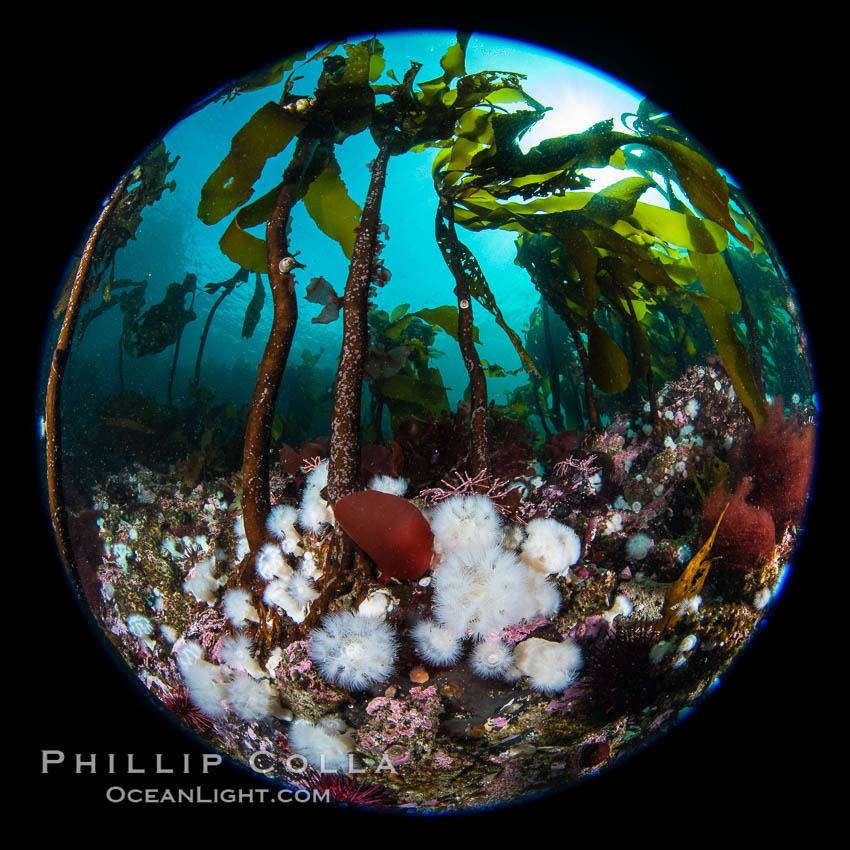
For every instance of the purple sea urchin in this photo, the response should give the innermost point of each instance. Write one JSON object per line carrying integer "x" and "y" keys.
{"x": 344, "y": 789}
{"x": 619, "y": 676}
{"x": 187, "y": 712}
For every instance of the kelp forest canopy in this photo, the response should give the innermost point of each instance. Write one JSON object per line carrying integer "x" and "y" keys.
{"x": 632, "y": 282}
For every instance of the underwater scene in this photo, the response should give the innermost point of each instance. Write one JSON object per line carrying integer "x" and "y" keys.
{"x": 430, "y": 421}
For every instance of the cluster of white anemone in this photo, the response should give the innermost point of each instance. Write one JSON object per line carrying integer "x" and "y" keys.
{"x": 488, "y": 577}
{"x": 290, "y": 589}
{"x": 483, "y": 584}
{"x": 237, "y": 684}
{"x": 315, "y": 513}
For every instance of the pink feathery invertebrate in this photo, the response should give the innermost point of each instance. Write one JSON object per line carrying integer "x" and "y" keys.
{"x": 466, "y": 486}
{"x": 311, "y": 463}
{"x": 497, "y": 490}
{"x": 583, "y": 466}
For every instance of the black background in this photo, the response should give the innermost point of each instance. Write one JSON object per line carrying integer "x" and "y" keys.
{"x": 98, "y": 89}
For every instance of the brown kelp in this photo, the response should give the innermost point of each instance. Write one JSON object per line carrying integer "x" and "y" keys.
{"x": 53, "y": 404}
{"x": 467, "y": 601}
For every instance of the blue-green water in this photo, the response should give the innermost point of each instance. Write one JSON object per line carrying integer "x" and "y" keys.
{"x": 172, "y": 241}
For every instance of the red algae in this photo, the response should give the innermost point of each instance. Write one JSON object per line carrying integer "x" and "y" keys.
{"x": 745, "y": 538}
{"x": 779, "y": 456}
{"x": 391, "y": 530}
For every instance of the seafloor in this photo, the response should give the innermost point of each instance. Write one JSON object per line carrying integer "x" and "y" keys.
{"x": 652, "y": 639}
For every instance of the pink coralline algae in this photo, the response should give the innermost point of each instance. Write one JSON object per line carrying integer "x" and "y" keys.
{"x": 411, "y": 719}
{"x": 592, "y": 628}
{"x": 442, "y": 760}
{"x": 208, "y": 627}
{"x": 504, "y": 498}
{"x": 520, "y": 631}
{"x": 297, "y": 669}
{"x": 299, "y": 662}
{"x": 565, "y": 702}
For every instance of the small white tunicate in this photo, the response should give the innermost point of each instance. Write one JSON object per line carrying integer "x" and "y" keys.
{"x": 611, "y": 525}
{"x": 638, "y": 546}
{"x": 622, "y": 606}
{"x": 657, "y": 653}
{"x": 761, "y": 598}
{"x": 687, "y": 643}
{"x": 377, "y": 604}
{"x": 139, "y": 625}
{"x": 120, "y": 553}
{"x": 718, "y": 386}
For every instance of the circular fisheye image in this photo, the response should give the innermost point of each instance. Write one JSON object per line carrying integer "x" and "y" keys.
{"x": 429, "y": 421}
